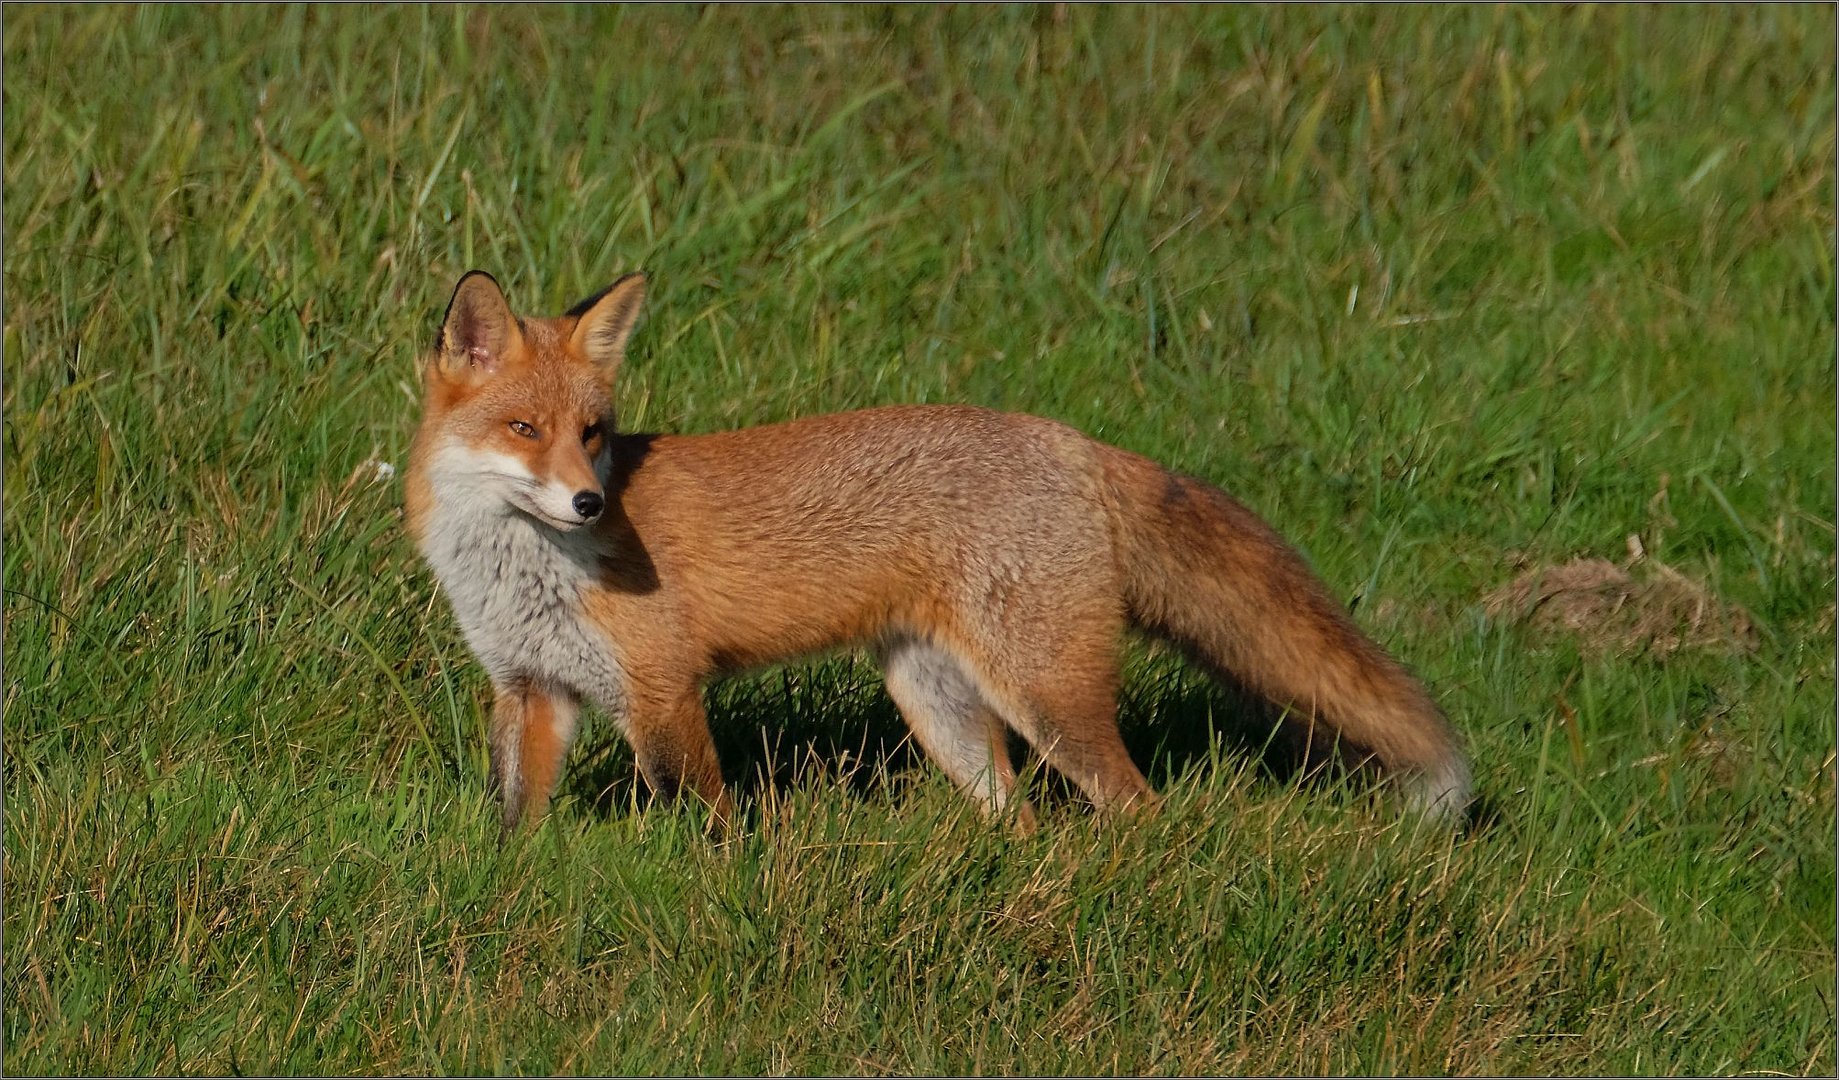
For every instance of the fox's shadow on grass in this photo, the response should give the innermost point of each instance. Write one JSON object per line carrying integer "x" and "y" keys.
{"x": 833, "y": 725}
{"x": 814, "y": 726}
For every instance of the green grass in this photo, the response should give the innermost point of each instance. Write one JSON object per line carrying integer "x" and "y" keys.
{"x": 1443, "y": 293}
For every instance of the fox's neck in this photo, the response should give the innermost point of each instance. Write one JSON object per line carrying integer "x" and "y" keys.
{"x": 516, "y": 587}
{"x": 474, "y": 536}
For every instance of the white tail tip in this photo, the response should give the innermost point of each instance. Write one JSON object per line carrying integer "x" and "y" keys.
{"x": 1442, "y": 792}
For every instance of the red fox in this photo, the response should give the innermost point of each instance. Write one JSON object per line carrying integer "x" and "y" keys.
{"x": 991, "y": 561}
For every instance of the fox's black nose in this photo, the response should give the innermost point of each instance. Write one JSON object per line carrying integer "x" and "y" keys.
{"x": 588, "y": 504}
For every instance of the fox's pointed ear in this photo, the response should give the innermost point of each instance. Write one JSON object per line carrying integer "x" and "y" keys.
{"x": 479, "y": 332}
{"x": 606, "y": 321}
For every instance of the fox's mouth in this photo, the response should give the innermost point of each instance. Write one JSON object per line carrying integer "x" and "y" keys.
{"x": 556, "y": 523}
{"x": 532, "y": 507}
{"x": 512, "y": 487}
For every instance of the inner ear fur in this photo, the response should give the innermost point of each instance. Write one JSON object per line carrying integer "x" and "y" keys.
{"x": 478, "y": 333}
{"x": 605, "y": 321}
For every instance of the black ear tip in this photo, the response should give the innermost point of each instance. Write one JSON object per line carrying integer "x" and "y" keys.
{"x": 633, "y": 285}
{"x": 634, "y": 279}
{"x": 475, "y": 277}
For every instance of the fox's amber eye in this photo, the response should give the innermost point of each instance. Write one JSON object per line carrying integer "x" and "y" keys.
{"x": 592, "y": 431}
{"x": 523, "y": 429}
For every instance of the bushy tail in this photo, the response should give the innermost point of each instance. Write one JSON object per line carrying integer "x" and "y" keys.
{"x": 1207, "y": 574}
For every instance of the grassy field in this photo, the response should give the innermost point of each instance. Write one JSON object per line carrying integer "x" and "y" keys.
{"x": 1461, "y": 300}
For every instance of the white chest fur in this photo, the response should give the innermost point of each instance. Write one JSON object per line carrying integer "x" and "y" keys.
{"x": 516, "y": 588}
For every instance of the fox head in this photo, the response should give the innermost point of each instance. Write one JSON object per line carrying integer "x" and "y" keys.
{"x": 517, "y": 413}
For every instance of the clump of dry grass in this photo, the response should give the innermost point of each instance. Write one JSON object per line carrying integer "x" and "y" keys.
{"x": 1646, "y": 606}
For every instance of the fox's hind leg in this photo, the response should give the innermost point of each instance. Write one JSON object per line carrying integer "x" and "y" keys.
{"x": 532, "y": 729}
{"x": 1064, "y": 701}
{"x": 953, "y": 724}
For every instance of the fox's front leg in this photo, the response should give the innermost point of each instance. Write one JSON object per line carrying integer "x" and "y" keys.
{"x": 532, "y": 729}
{"x": 670, "y": 739}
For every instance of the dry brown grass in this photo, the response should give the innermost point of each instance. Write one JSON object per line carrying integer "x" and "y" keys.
{"x": 1646, "y": 606}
